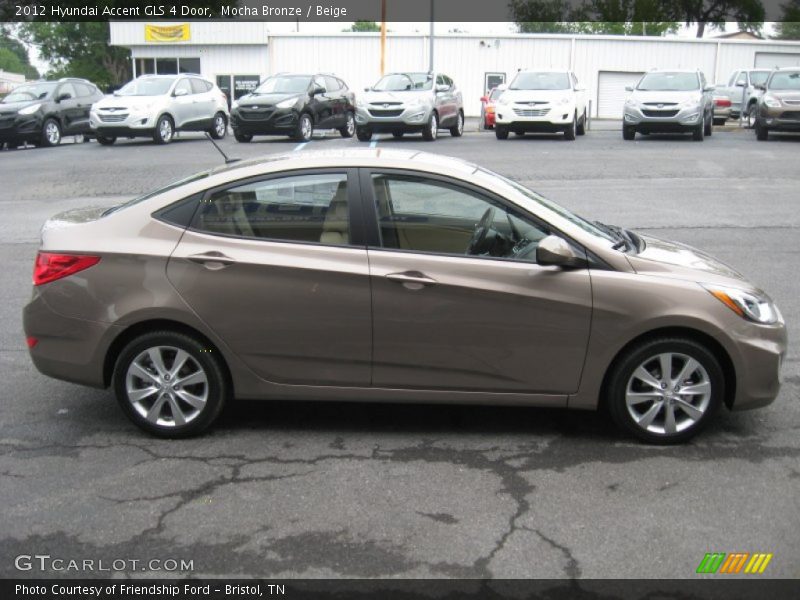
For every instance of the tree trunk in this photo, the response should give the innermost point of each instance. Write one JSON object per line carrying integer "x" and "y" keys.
{"x": 701, "y": 28}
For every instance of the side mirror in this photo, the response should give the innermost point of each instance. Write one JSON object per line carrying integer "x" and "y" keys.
{"x": 741, "y": 83}
{"x": 180, "y": 92}
{"x": 318, "y": 90}
{"x": 554, "y": 251}
{"x": 628, "y": 88}
{"x": 760, "y": 86}
{"x": 580, "y": 88}
{"x": 442, "y": 88}
{"x": 484, "y": 98}
{"x": 709, "y": 88}
{"x": 64, "y": 96}
{"x": 367, "y": 89}
{"x": 502, "y": 87}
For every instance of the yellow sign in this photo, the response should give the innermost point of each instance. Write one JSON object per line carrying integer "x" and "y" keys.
{"x": 167, "y": 33}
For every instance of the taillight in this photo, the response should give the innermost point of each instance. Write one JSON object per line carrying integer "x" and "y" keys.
{"x": 50, "y": 267}
{"x": 722, "y": 102}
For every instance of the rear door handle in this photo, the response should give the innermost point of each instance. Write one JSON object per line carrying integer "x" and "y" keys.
{"x": 212, "y": 260}
{"x": 412, "y": 280}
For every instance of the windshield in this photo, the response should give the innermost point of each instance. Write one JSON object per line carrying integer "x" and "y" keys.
{"x": 587, "y": 226}
{"x": 669, "y": 82}
{"x": 785, "y": 80}
{"x": 540, "y": 81}
{"x": 759, "y": 77}
{"x": 161, "y": 190}
{"x": 146, "y": 86}
{"x": 404, "y": 82}
{"x": 26, "y": 93}
{"x": 293, "y": 84}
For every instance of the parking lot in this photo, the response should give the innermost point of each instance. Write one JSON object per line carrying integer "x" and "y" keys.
{"x": 287, "y": 489}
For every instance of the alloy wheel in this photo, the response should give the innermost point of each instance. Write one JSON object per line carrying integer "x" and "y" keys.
{"x": 220, "y": 125}
{"x": 350, "y": 125}
{"x": 305, "y": 127}
{"x": 165, "y": 130}
{"x": 668, "y": 393}
{"x": 52, "y": 133}
{"x": 166, "y": 386}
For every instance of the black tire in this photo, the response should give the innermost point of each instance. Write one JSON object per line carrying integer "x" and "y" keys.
{"x": 621, "y": 376}
{"x": 218, "y": 387}
{"x": 569, "y": 134}
{"x": 501, "y": 133}
{"x": 349, "y": 129}
{"x": 86, "y": 138}
{"x": 698, "y": 135}
{"x": 364, "y": 134}
{"x": 165, "y": 130}
{"x": 458, "y": 129}
{"x": 762, "y": 133}
{"x": 708, "y": 129}
{"x": 519, "y": 133}
{"x": 628, "y": 133}
{"x": 581, "y": 130}
{"x": 397, "y": 134}
{"x": 305, "y": 128}
{"x": 51, "y": 133}
{"x": 220, "y": 127}
{"x": 751, "y": 115}
{"x": 431, "y": 131}
{"x": 242, "y": 138}
{"x": 106, "y": 141}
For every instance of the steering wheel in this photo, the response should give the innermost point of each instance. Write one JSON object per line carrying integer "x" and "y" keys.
{"x": 481, "y": 229}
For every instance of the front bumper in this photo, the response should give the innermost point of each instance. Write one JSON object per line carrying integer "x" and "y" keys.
{"x": 541, "y": 117}
{"x": 20, "y": 128}
{"x": 122, "y": 124}
{"x": 266, "y": 120}
{"x": 393, "y": 119}
{"x": 759, "y": 354}
{"x": 783, "y": 118}
{"x": 679, "y": 120}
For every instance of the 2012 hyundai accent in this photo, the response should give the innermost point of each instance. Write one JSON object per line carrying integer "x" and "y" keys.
{"x": 396, "y": 276}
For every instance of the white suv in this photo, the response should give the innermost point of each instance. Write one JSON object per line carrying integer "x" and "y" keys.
{"x": 542, "y": 101}
{"x": 159, "y": 105}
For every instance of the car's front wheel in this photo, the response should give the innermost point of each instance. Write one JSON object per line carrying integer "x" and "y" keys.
{"x": 170, "y": 384}
{"x": 305, "y": 128}
{"x": 364, "y": 134}
{"x": 628, "y": 133}
{"x": 664, "y": 391}
{"x": 431, "y": 131}
{"x": 220, "y": 126}
{"x": 582, "y": 124}
{"x": 243, "y": 138}
{"x": 572, "y": 130}
{"x": 500, "y": 132}
{"x": 51, "y": 133}
{"x": 349, "y": 128}
{"x": 106, "y": 141}
{"x": 698, "y": 135}
{"x": 165, "y": 130}
{"x": 708, "y": 129}
{"x": 762, "y": 133}
{"x": 457, "y": 129}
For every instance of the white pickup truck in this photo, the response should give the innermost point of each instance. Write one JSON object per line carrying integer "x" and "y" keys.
{"x": 742, "y": 91}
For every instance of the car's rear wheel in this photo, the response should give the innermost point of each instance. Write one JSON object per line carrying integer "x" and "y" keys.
{"x": 364, "y": 134}
{"x": 220, "y": 126}
{"x": 628, "y": 133}
{"x": 457, "y": 129}
{"x": 431, "y": 131}
{"x": 751, "y": 116}
{"x": 664, "y": 391}
{"x": 305, "y": 128}
{"x": 762, "y": 133}
{"x": 500, "y": 132}
{"x": 582, "y": 124}
{"x": 51, "y": 133}
{"x": 165, "y": 130}
{"x": 106, "y": 141}
{"x": 170, "y": 384}
{"x": 349, "y": 128}
{"x": 243, "y": 138}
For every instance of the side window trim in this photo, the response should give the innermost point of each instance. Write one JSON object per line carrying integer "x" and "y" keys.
{"x": 355, "y": 210}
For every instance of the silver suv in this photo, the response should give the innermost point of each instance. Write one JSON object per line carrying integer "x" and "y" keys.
{"x": 410, "y": 103}
{"x": 669, "y": 102}
{"x": 159, "y": 105}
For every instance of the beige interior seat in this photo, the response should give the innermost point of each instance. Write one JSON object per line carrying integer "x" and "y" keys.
{"x": 336, "y": 227}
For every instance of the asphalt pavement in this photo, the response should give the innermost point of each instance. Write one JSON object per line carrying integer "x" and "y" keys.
{"x": 301, "y": 489}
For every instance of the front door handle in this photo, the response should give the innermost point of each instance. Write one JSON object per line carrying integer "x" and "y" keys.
{"x": 412, "y": 280}
{"x": 212, "y": 260}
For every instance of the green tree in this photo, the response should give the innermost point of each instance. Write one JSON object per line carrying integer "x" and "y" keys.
{"x": 364, "y": 26}
{"x": 14, "y": 55}
{"x": 789, "y": 28}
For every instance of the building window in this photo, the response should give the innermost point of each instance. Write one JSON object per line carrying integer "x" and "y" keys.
{"x": 145, "y": 66}
{"x": 189, "y": 65}
{"x": 167, "y": 66}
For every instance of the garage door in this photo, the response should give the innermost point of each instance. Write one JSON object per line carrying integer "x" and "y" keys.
{"x": 611, "y": 92}
{"x": 770, "y": 60}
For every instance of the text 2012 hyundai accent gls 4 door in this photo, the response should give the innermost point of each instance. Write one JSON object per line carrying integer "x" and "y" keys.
{"x": 381, "y": 275}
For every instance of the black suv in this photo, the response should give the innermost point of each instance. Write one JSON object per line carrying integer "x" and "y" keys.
{"x": 294, "y": 105}
{"x": 43, "y": 111}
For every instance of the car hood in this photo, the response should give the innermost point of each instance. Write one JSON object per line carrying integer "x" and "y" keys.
{"x": 666, "y": 97}
{"x": 13, "y": 107}
{"x": 785, "y": 95}
{"x": 535, "y": 95}
{"x": 127, "y": 101}
{"x": 376, "y": 97}
{"x": 265, "y": 99}
{"x": 673, "y": 259}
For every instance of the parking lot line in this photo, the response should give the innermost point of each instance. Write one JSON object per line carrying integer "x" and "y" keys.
{"x": 299, "y": 146}
{"x": 374, "y": 141}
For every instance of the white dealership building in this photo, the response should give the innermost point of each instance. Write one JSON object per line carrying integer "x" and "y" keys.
{"x": 237, "y": 54}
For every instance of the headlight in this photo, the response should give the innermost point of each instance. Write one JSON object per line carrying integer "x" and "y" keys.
{"x": 289, "y": 103}
{"x": 564, "y": 100}
{"x": 141, "y": 110}
{"x": 770, "y": 101}
{"x": 29, "y": 110}
{"x": 691, "y": 102}
{"x": 631, "y": 102}
{"x": 360, "y": 102}
{"x": 234, "y": 104}
{"x": 748, "y": 305}
{"x": 503, "y": 100}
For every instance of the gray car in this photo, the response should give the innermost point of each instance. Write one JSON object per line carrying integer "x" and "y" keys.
{"x": 669, "y": 102}
{"x": 391, "y": 276}
{"x": 402, "y": 103}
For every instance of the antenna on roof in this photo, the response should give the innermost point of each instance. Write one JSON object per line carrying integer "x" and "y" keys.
{"x": 228, "y": 160}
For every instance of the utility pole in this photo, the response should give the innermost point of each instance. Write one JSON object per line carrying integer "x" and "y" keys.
{"x": 383, "y": 37}
{"x": 430, "y": 53}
